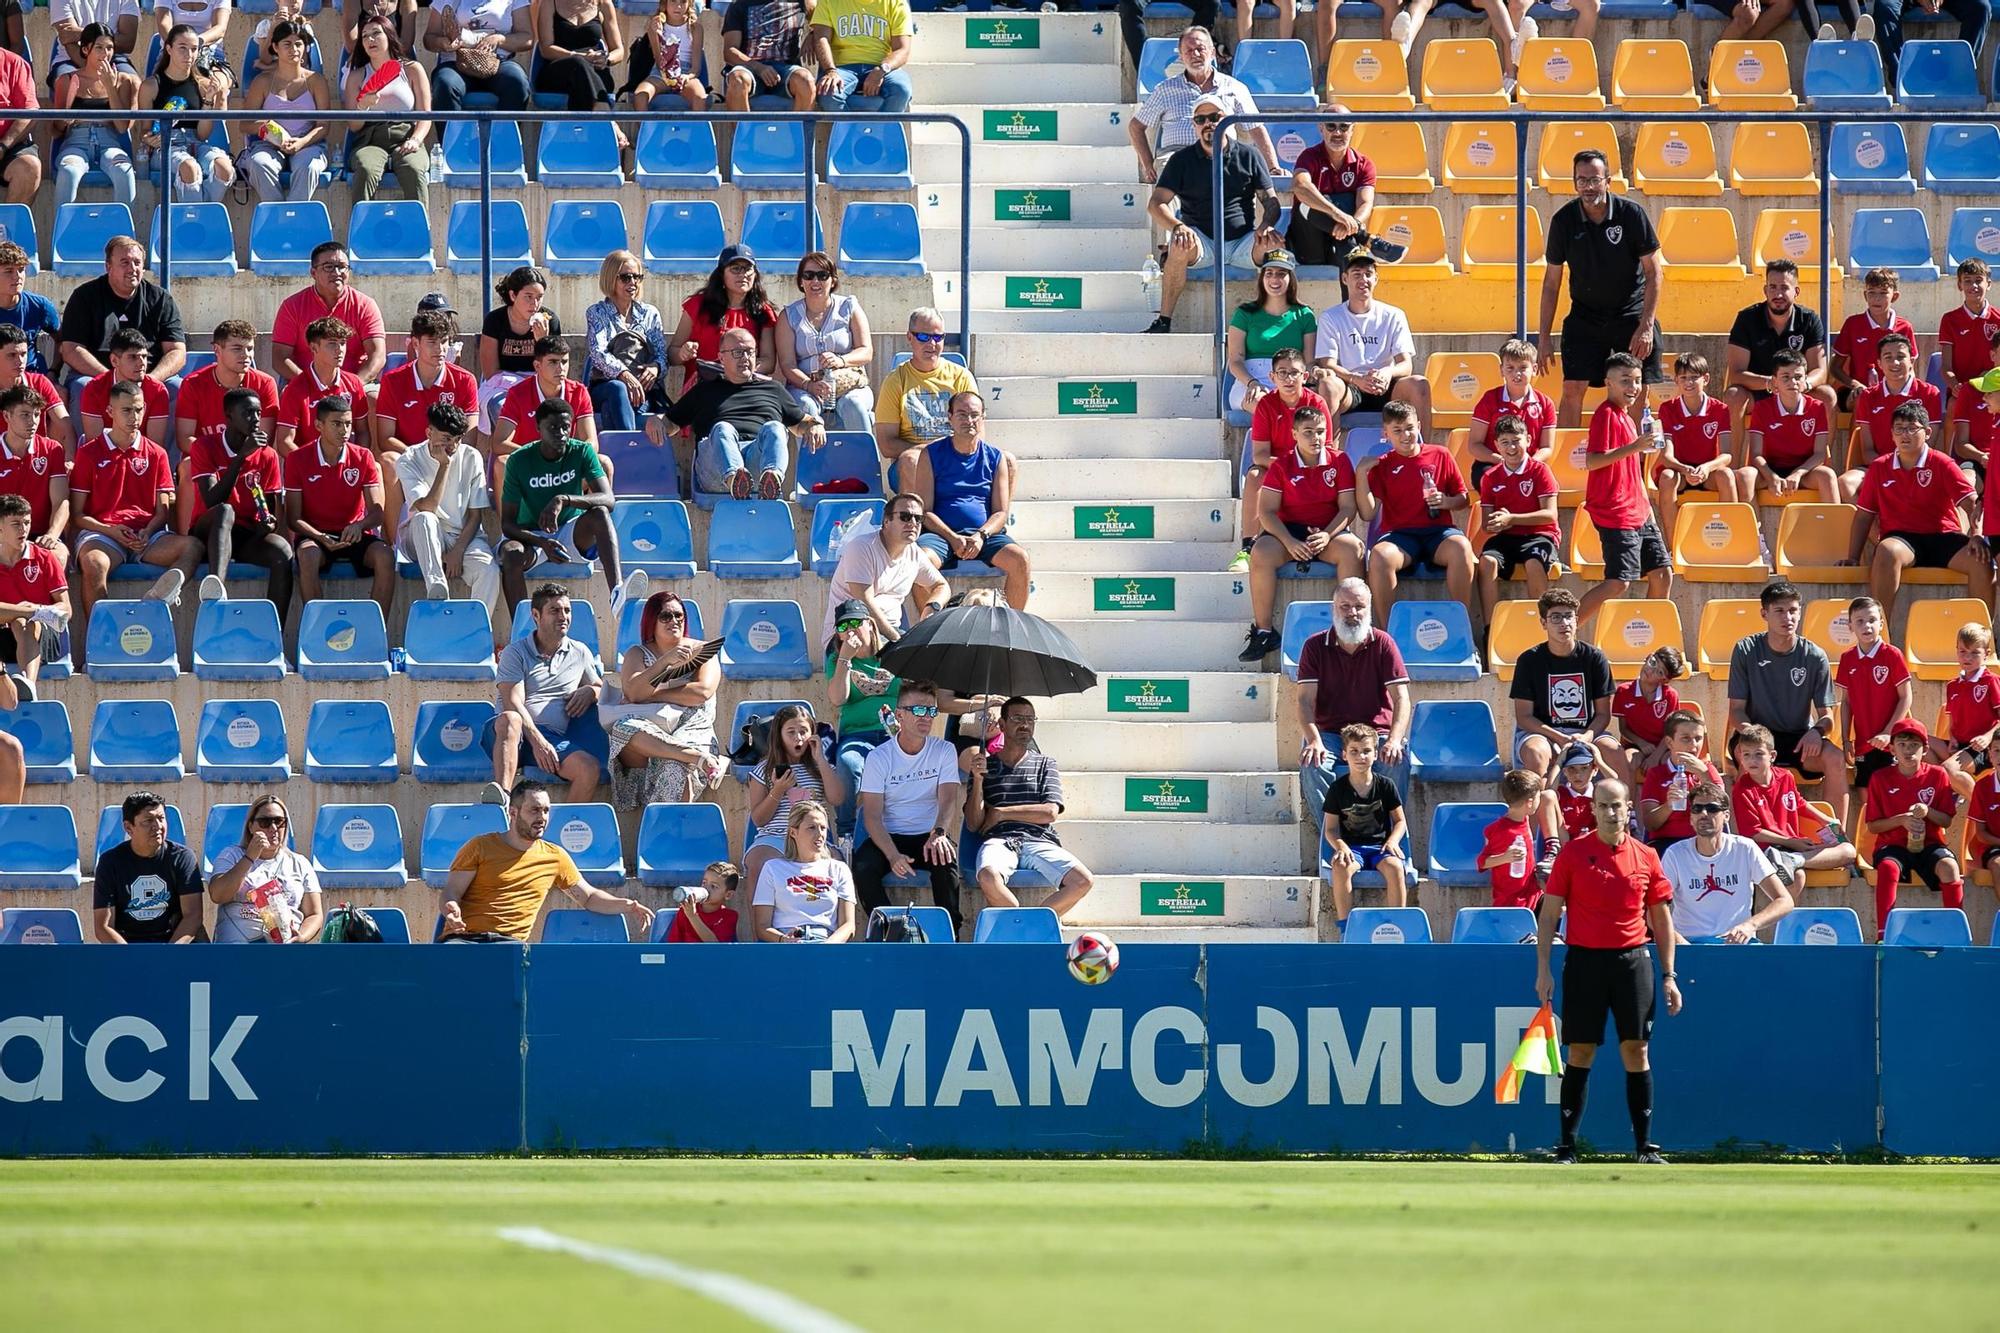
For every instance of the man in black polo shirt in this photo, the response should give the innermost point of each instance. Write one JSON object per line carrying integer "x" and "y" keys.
{"x": 1186, "y": 181}
{"x": 1613, "y": 255}
{"x": 1776, "y": 324}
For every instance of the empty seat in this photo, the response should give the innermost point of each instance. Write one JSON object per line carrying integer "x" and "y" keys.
{"x": 867, "y": 155}
{"x": 1302, "y": 621}
{"x": 79, "y": 235}
{"x": 204, "y": 242}
{"x": 342, "y": 639}
{"x": 1699, "y": 244}
{"x": 1825, "y": 623}
{"x": 508, "y": 236}
{"x": 390, "y": 922}
{"x": 1649, "y": 75}
{"x": 283, "y": 234}
{"x": 776, "y": 230}
{"x": 1675, "y": 158}
{"x": 1927, "y": 928}
{"x": 1845, "y": 76}
{"x": 239, "y": 641}
{"x": 1561, "y": 142}
{"x": 448, "y": 640}
{"x": 1812, "y": 540}
{"x": 683, "y": 236}
{"x": 677, "y": 843}
{"x": 41, "y": 925}
{"x": 1974, "y": 233}
{"x": 764, "y": 641}
{"x": 1772, "y": 159}
{"x": 768, "y": 155}
{"x": 1458, "y": 831}
{"x": 642, "y": 469}
{"x": 1750, "y": 76}
{"x": 1278, "y": 73}
{"x": 1402, "y": 163}
{"x": 1017, "y": 925}
{"x": 1717, "y": 543}
{"x": 1515, "y": 629}
{"x": 573, "y": 925}
{"x": 390, "y": 236}
{"x": 47, "y": 746}
{"x": 1491, "y": 243}
{"x": 833, "y": 517}
{"x": 359, "y": 847}
{"x": 1387, "y": 925}
{"x": 633, "y": 616}
{"x": 1725, "y": 621}
{"x": 753, "y": 539}
{"x": 1795, "y": 234}
{"x": 933, "y": 922}
{"x": 581, "y": 232}
{"x": 654, "y": 536}
{"x": 1368, "y": 75}
{"x": 241, "y": 740}
{"x": 132, "y": 640}
{"x": 1454, "y": 740}
{"x": 350, "y": 740}
{"x": 1493, "y": 925}
{"x": 881, "y": 240}
{"x": 1558, "y": 74}
{"x": 1962, "y": 158}
{"x": 588, "y": 831}
{"x": 847, "y": 465}
{"x": 1869, "y": 159}
{"x": 1933, "y": 76}
{"x": 447, "y": 828}
{"x": 1930, "y": 635}
{"x": 1155, "y": 57}
{"x": 38, "y": 848}
{"x": 1421, "y": 228}
{"x": 1897, "y": 238}
{"x": 1818, "y": 925}
{"x": 460, "y": 163}
{"x": 579, "y": 154}
{"x": 445, "y": 742}
{"x": 17, "y": 224}
{"x": 1479, "y": 157}
{"x": 1435, "y": 639}
{"x": 1463, "y": 75}
{"x": 1628, "y": 629}
{"x": 677, "y": 155}
{"x": 135, "y": 740}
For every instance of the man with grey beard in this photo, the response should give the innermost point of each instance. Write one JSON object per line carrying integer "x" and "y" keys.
{"x": 1351, "y": 672}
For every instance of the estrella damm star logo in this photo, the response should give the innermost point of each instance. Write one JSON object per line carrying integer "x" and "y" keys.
{"x": 1166, "y": 788}
{"x": 1183, "y": 892}
{"x": 1148, "y": 689}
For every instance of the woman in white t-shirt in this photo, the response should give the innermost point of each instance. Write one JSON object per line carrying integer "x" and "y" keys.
{"x": 804, "y": 896}
{"x": 481, "y": 45}
{"x": 268, "y": 892}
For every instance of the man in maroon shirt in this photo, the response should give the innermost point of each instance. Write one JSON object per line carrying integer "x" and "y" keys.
{"x": 1614, "y": 890}
{"x": 1351, "y": 672}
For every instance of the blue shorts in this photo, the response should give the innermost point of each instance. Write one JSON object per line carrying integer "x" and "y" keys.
{"x": 1420, "y": 544}
{"x": 935, "y": 544}
{"x": 585, "y": 734}
{"x": 120, "y": 553}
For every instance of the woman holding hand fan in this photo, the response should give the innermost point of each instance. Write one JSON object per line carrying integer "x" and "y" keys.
{"x": 382, "y": 80}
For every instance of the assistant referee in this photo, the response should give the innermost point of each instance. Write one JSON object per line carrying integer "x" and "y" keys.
{"x": 1614, "y": 889}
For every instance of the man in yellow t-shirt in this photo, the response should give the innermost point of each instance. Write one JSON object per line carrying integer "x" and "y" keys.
{"x": 500, "y": 882}
{"x": 862, "y": 47}
{"x": 913, "y": 406}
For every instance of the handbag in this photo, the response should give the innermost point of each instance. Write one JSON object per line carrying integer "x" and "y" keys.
{"x": 348, "y": 924}
{"x": 478, "y": 62}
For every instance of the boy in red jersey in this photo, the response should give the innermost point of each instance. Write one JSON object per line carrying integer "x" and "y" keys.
{"x": 1663, "y": 801}
{"x": 298, "y": 424}
{"x": 1270, "y": 431}
{"x": 1971, "y": 710}
{"x": 1517, "y": 516}
{"x": 1765, "y": 807}
{"x": 121, "y": 508}
{"x": 1417, "y": 489}
{"x": 333, "y": 504}
{"x": 34, "y": 607}
{"x": 199, "y": 406}
{"x": 1790, "y": 435}
{"x": 1306, "y": 506}
{"x": 14, "y": 354}
{"x": 239, "y": 501}
{"x": 1858, "y": 344}
{"x": 33, "y": 465}
{"x": 130, "y": 354}
{"x": 1508, "y": 849}
{"x": 1914, "y": 492}
{"x": 1874, "y": 679}
{"x": 1909, "y": 807}
{"x": 1515, "y": 396}
{"x": 1896, "y": 382}
{"x": 1983, "y": 815}
{"x": 707, "y": 919}
{"x": 1696, "y": 455}
{"x": 1575, "y": 781}
{"x": 1615, "y": 494}
{"x": 1965, "y": 337}
{"x": 1640, "y": 708}
{"x": 551, "y": 380}
{"x": 402, "y": 407}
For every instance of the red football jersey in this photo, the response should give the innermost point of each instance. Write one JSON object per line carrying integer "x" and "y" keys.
{"x": 331, "y": 494}
{"x": 1871, "y": 683}
{"x": 114, "y": 485}
{"x": 1399, "y": 481}
{"x": 1789, "y": 436}
{"x": 521, "y": 401}
{"x": 1523, "y": 492}
{"x": 35, "y": 578}
{"x": 1970, "y": 337}
{"x": 1680, "y": 824}
{"x": 1985, "y": 808}
{"x": 1271, "y": 422}
{"x": 1615, "y": 496}
{"x": 1860, "y": 341}
{"x": 299, "y": 403}
{"x": 1308, "y": 493}
{"x": 1874, "y": 405}
{"x": 29, "y": 475}
{"x": 1772, "y": 808}
{"x": 1645, "y": 719}
{"x": 1697, "y": 434}
{"x": 1971, "y": 707}
{"x": 1537, "y": 411}
{"x": 1891, "y": 793}
{"x": 1512, "y": 886}
{"x": 208, "y": 456}
{"x": 406, "y": 400}
{"x": 1574, "y": 808}
{"x": 97, "y": 397}
{"x": 1919, "y": 499}
{"x": 200, "y": 399}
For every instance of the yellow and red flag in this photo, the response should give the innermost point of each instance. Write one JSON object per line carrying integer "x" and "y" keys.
{"x": 1540, "y": 1052}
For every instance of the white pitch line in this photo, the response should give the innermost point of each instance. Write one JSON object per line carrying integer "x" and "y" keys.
{"x": 774, "y": 1309}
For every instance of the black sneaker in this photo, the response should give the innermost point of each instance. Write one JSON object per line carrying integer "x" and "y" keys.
{"x": 24, "y": 689}
{"x": 1387, "y": 251}
{"x": 1565, "y": 1156}
{"x": 1259, "y": 644}
{"x": 1649, "y": 1155}
{"x": 1162, "y": 324}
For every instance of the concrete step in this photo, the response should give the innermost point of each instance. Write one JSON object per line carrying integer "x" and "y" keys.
{"x": 1075, "y": 124}
{"x": 1138, "y": 907}
{"x": 1195, "y": 849}
{"x": 1039, "y": 203}
{"x": 1018, "y": 39}
{"x": 1110, "y": 437}
{"x": 1111, "y": 521}
{"x": 1025, "y": 161}
{"x": 1139, "y": 747}
{"x": 989, "y": 320}
{"x": 1235, "y": 798}
{"x": 1199, "y": 596}
{"x": 1088, "y": 557}
{"x": 998, "y": 84}
{"x": 1170, "y": 646}
{"x": 1191, "y": 354}
{"x": 1116, "y": 299}
{"x": 1083, "y": 478}
{"x": 1223, "y": 934}
{"x": 1202, "y": 696}
{"x": 1018, "y": 250}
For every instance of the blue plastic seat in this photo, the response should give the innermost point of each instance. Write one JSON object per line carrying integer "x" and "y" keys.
{"x": 1154, "y": 57}
{"x": 242, "y": 740}
{"x": 573, "y": 925}
{"x": 239, "y": 641}
{"x": 448, "y": 828}
{"x": 1962, "y": 158}
{"x": 768, "y": 155}
{"x": 79, "y": 236}
{"x": 38, "y": 848}
{"x": 582, "y": 623}
{"x": 283, "y": 234}
{"x": 1974, "y": 233}
{"x": 1493, "y": 925}
{"x": 677, "y": 843}
{"x": 581, "y": 232}
{"x": 756, "y": 715}
{"x": 588, "y": 831}
{"x": 132, "y": 640}
{"x": 753, "y": 539}
{"x": 881, "y": 240}
{"x": 832, "y": 515}
{"x": 359, "y": 847}
{"x": 1933, "y": 76}
{"x": 1869, "y": 159}
{"x": 776, "y": 230}
{"x": 461, "y": 158}
{"x": 1458, "y": 831}
{"x": 764, "y": 641}
{"x": 682, "y": 236}
{"x": 1454, "y": 740}
{"x": 634, "y": 614}
{"x": 135, "y": 740}
{"x": 1818, "y": 925}
{"x": 445, "y": 742}
{"x": 343, "y": 639}
{"x": 41, "y": 925}
{"x": 463, "y": 236}
{"x": 395, "y": 927}
{"x": 224, "y": 828}
{"x": 642, "y": 470}
{"x": 869, "y": 155}
{"x": 676, "y": 155}
{"x": 1897, "y": 238}
{"x": 448, "y": 640}
{"x": 1845, "y": 76}
{"x": 17, "y": 224}
{"x": 204, "y": 241}
{"x": 846, "y": 456}
{"x": 1435, "y": 639}
{"x": 389, "y": 236}
{"x": 654, "y": 536}
{"x": 111, "y": 828}
{"x": 1387, "y": 925}
{"x": 1927, "y": 928}
{"x": 579, "y": 154}
{"x": 47, "y": 744}
{"x": 350, "y": 740}
{"x": 1277, "y": 73}
{"x": 1302, "y": 621}
{"x": 1016, "y": 925}
{"x": 935, "y": 922}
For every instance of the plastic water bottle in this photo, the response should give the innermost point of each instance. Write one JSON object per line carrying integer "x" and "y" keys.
{"x": 436, "y": 168}
{"x": 1649, "y": 429}
{"x": 1149, "y": 281}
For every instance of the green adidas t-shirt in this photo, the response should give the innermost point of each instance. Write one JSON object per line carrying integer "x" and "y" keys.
{"x": 531, "y": 480}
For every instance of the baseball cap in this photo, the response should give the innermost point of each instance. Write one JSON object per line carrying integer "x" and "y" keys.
{"x": 1578, "y": 753}
{"x": 1356, "y": 257}
{"x": 1283, "y": 259}
{"x": 1987, "y": 383}
{"x": 1909, "y": 726}
{"x": 849, "y": 612}
{"x": 732, "y": 254}
{"x": 1210, "y": 99}
{"x": 435, "y": 303}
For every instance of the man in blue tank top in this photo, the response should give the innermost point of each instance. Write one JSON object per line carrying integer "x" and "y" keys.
{"x": 967, "y": 486}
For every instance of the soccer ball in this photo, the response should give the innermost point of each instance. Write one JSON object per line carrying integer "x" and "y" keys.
{"x": 1092, "y": 958}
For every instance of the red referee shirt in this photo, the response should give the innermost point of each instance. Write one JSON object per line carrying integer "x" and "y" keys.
{"x": 1607, "y": 890}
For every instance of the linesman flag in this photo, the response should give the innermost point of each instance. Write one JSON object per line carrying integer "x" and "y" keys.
{"x": 1540, "y": 1052}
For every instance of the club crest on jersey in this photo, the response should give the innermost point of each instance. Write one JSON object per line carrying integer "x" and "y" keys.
{"x": 1329, "y": 476}
{"x": 30, "y": 572}
{"x": 139, "y": 462}
{"x": 1795, "y": 341}
{"x": 351, "y": 476}
{"x": 1924, "y": 795}
{"x": 1923, "y": 476}
{"x": 1659, "y": 707}
{"x": 1527, "y": 487}
{"x": 1613, "y": 235}
{"x": 1979, "y": 694}
{"x": 40, "y": 465}
{"x": 1790, "y": 800}
{"x": 1882, "y": 674}
{"x": 1709, "y": 428}
{"x": 1346, "y": 180}
{"x": 1798, "y": 677}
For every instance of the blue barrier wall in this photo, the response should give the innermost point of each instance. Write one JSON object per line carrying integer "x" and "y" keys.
{"x": 981, "y": 1048}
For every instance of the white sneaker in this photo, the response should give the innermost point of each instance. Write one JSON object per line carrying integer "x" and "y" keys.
{"x": 1826, "y": 33}
{"x": 438, "y": 591}
{"x": 635, "y": 588}
{"x": 1864, "y": 28}
{"x": 1527, "y": 32}
{"x": 167, "y": 588}
{"x": 212, "y": 589}
{"x": 1402, "y": 29}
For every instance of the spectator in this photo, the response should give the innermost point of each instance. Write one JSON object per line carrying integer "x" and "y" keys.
{"x": 824, "y": 348}
{"x": 660, "y": 726}
{"x": 293, "y": 11}
{"x": 882, "y": 568}
{"x": 1183, "y": 202}
{"x": 740, "y": 422}
{"x": 1776, "y": 324}
{"x": 1351, "y": 672}
{"x": 1514, "y": 396}
{"x": 147, "y": 889}
{"x": 628, "y": 346}
{"x": 555, "y": 504}
{"x": 327, "y": 340}
{"x": 334, "y": 506}
{"x": 499, "y": 886}
{"x": 448, "y": 525}
{"x": 1858, "y": 345}
{"x": 1874, "y": 681}
{"x": 430, "y": 377}
{"x": 1562, "y": 694}
{"x": 122, "y": 298}
{"x": 1781, "y": 680}
{"x": 34, "y": 608}
{"x": 239, "y": 500}
{"x": 1513, "y": 28}
{"x": 862, "y": 48}
{"x": 508, "y": 336}
{"x": 1982, "y": 437}
{"x": 1575, "y": 789}
{"x": 1971, "y": 709}
{"x": 20, "y": 160}
{"x": 1895, "y": 382}
{"x": 913, "y": 406}
{"x": 1331, "y": 200}
{"x": 966, "y": 485}
{"x": 1170, "y": 107}
{"x": 1693, "y": 456}
{"x": 200, "y": 404}
{"x": 514, "y": 421}
{"x": 331, "y": 296}
{"x": 1791, "y": 433}
{"x": 1640, "y": 709}
{"x": 578, "y": 50}
{"x": 196, "y": 151}
{"x": 14, "y": 374}
{"x": 479, "y": 44}
{"x": 33, "y": 314}
{"x": 1013, "y": 802}
{"x": 1608, "y": 245}
{"x": 1766, "y": 806}
{"x": 1366, "y": 350}
{"x": 1307, "y": 512}
{"x": 763, "y": 48}
{"x": 1982, "y": 824}
{"x": 667, "y": 57}
{"x": 35, "y": 467}
{"x": 1921, "y": 524}
{"x": 550, "y": 685}
{"x": 1272, "y": 426}
{"x": 733, "y": 298}
{"x": 1663, "y": 801}
{"x": 1965, "y": 337}
{"x": 70, "y": 18}
{"x": 910, "y": 803}
{"x": 1508, "y": 849}
{"x": 1411, "y": 494}
{"x": 128, "y": 366}
{"x": 1716, "y": 876}
{"x": 1614, "y": 493}
{"x": 121, "y": 511}
{"x": 267, "y": 893}
{"x": 84, "y": 146}
{"x": 1519, "y": 518}
{"x": 399, "y": 147}
{"x": 806, "y": 896}
{"x": 863, "y": 692}
{"x": 1752, "y": 19}
{"x": 705, "y": 917}
{"x": 1909, "y": 806}
{"x": 793, "y": 770}
{"x": 296, "y": 142}
{"x": 1364, "y": 826}
{"x": 1887, "y": 16}
{"x": 1271, "y": 321}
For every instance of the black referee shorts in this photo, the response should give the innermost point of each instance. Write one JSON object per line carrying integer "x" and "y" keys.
{"x": 1597, "y": 981}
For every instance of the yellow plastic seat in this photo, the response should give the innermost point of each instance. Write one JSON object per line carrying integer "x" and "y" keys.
{"x": 1716, "y": 542}
{"x": 1566, "y": 462}
{"x": 1421, "y": 228}
{"x": 1396, "y": 147}
{"x": 1556, "y": 160}
{"x": 1676, "y": 158}
{"x": 1462, "y": 75}
{"x": 1558, "y": 74}
{"x": 1457, "y": 381}
{"x": 1699, "y": 245}
{"x": 1368, "y": 76}
{"x": 1794, "y": 234}
{"x": 1479, "y": 159}
{"x": 1583, "y": 553}
{"x": 1489, "y": 243}
{"x": 1750, "y": 76}
{"x": 1724, "y": 622}
{"x": 1930, "y": 636}
{"x": 1812, "y": 540}
{"x": 1825, "y": 623}
{"x": 1775, "y": 158}
{"x": 1653, "y": 76}
{"x": 1628, "y": 629}
{"x": 1515, "y": 629}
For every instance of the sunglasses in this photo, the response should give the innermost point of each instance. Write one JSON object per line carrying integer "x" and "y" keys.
{"x": 1338, "y": 127}
{"x": 1211, "y": 118}
{"x": 906, "y": 517}
{"x": 815, "y": 275}
{"x": 1707, "y": 808}
{"x": 631, "y": 277}
{"x": 270, "y": 821}
{"x": 927, "y": 337}
{"x": 921, "y": 710}
{"x": 678, "y": 617}
{"x": 848, "y": 626}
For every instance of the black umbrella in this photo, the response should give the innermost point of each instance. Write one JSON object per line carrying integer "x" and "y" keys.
{"x": 990, "y": 650}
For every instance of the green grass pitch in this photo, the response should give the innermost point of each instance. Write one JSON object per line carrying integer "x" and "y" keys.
{"x": 379, "y": 1245}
